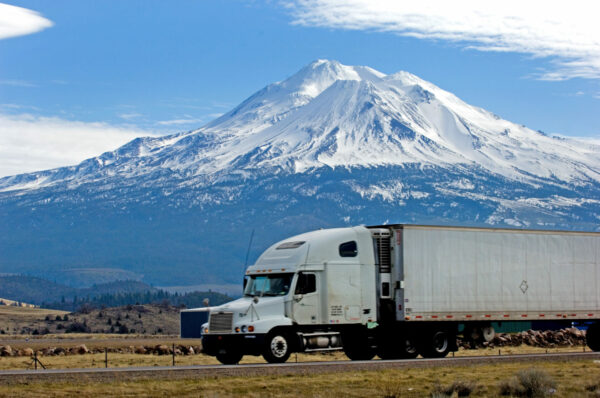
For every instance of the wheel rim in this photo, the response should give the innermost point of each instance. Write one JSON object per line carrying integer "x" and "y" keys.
{"x": 279, "y": 346}
{"x": 488, "y": 333}
{"x": 440, "y": 342}
{"x": 409, "y": 347}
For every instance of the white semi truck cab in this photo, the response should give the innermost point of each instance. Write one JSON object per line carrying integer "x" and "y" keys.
{"x": 398, "y": 291}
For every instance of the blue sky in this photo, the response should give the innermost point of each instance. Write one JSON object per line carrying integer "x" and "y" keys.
{"x": 100, "y": 73}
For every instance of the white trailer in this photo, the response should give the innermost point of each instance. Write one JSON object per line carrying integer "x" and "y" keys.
{"x": 402, "y": 290}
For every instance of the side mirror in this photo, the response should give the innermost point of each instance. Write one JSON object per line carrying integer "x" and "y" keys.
{"x": 255, "y": 299}
{"x": 298, "y": 297}
{"x": 205, "y": 302}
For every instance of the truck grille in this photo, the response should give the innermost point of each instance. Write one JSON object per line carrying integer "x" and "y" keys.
{"x": 383, "y": 253}
{"x": 220, "y": 322}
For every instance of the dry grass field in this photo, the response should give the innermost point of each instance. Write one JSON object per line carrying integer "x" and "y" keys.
{"x": 14, "y": 319}
{"x": 577, "y": 378}
{"x": 131, "y": 319}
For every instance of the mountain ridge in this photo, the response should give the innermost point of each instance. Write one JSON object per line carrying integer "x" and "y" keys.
{"x": 406, "y": 120}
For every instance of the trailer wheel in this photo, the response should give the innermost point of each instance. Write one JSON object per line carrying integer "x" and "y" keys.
{"x": 277, "y": 348}
{"x": 488, "y": 333}
{"x": 435, "y": 344}
{"x": 592, "y": 337}
{"x": 230, "y": 357}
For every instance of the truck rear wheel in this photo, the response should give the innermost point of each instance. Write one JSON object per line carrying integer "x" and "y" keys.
{"x": 435, "y": 344}
{"x": 277, "y": 348}
{"x": 229, "y": 357}
{"x": 400, "y": 347}
{"x": 357, "y": 345}
{"x": 592, "y": 337}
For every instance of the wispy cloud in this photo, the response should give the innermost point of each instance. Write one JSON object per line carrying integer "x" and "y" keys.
{"x": 175, "y": 122}
{"x": 30, "y": 143}
{"x": 17, "y": 83}
{"x": 130, "y": 116}
{"x": 18, "y": 21}
{"x": 566, "y": 32}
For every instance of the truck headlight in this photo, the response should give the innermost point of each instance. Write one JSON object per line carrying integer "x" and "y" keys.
{"x": 243, "y": 328}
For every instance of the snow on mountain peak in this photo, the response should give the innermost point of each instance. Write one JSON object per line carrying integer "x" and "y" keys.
{"x": 334, "y": 115}
{"x": 314, "y": 78}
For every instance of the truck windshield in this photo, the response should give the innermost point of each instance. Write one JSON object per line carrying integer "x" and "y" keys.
{"x": 268, "y": 285}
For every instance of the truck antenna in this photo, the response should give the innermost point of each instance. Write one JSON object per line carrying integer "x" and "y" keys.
{"x": 248, "y": 251}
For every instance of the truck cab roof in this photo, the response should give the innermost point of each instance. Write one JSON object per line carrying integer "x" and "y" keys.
{"x": 317, "y": 248}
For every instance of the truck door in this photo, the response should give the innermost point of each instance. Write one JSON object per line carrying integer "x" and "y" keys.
{"x": 305, "y": 305}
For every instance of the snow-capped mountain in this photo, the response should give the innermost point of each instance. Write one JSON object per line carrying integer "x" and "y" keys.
{"x": 331, "y": 145}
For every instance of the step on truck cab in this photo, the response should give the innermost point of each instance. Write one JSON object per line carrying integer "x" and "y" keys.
{"x": 397, "y": 291}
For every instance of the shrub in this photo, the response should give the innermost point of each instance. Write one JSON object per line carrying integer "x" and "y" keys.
{"x": 58, "y": 318}
{"x": 464, "y": 388}
{"x": 85, "y": 308}
{"x": 123, "y": 329}
{"x": 77, "y": 327}
{"x": 593, "y": 387}
{"x": 528, "y": 383}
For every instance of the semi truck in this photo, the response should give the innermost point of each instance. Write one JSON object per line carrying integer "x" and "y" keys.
{"x": 399, "y": 291}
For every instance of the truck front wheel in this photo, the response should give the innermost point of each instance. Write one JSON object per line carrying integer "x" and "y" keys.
{"x": 277, "y": 348}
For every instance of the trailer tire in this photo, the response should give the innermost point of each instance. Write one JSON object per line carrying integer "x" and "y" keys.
{"x": 230, "y": 357}
{"x": 435, "y": 344}
{"x": 277, "y": 348}
{"x": 592, "y": 337}
{"x": 488, "y": 333}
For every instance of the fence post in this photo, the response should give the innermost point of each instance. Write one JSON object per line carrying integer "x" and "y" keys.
{"x": 105, "y": 357}
{"x": 173, "y": 354}
{"x": 35, "y": 359}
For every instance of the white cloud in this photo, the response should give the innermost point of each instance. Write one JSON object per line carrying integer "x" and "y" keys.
{"x": 31, "y": 143}
{"x": 129, "y": 116}
{"x": 17, "y": 83}
{"x": 175, "y": 122}
{"x": 567, "y": 32}
{"x": 17, "y": 21}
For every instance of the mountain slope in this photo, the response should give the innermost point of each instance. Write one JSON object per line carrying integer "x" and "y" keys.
{"x": 331, "y": 145}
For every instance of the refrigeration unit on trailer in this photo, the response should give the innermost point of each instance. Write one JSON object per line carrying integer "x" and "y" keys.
{"x": 397, "y": 291}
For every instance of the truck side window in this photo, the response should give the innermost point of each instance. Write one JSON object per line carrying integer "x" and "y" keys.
{"x": 348, "y": 249}
{"x": 307, "y": 283}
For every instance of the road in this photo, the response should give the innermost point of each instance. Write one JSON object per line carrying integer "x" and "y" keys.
{"x": 288, "y": 368}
